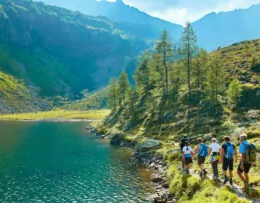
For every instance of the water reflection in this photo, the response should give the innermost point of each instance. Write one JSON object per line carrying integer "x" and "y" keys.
{"x": 60, "y": 162}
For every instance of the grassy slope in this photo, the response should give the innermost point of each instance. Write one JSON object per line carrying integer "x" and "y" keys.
{"x": 16, "y": 97}
{"x": 96, "y": 100}
{"x": 58, "y": 114}
{"x": 166, "y": 121}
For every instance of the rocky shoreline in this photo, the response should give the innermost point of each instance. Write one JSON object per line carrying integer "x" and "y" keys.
{"x": 143, "y": 154}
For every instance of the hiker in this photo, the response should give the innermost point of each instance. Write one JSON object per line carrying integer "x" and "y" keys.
{"x": 214, "y": 151}
{"x": 228, "y": 150}
{"x": 244, "y": 165}
{"x": 187, "y": 156}
{"x": 182, "y": 144}
{"x": 202, "y": 151}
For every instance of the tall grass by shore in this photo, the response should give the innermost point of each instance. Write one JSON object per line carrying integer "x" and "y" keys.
{"x": 58, "y": 115}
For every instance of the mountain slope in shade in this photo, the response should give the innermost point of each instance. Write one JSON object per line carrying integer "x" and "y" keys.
{"x": 225, "y": 28}
{"x": 59, "y": 51}
{"x": 15, "y": 96}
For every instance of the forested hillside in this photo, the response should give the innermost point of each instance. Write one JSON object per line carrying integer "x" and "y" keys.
{"x": 198, "y": 95}
{"x": 59, "y": 51}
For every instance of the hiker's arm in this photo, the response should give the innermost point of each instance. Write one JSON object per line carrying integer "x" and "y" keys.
{"x": 242, "y": 161}
{"x": 235, "y": 154}
{"x": 196, "y": 150}
{"x": 210, "y": 150}
{"x": 221, "y": 151}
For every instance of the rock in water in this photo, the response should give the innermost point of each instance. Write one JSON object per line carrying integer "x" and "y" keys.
{"x": 148, "y": 145}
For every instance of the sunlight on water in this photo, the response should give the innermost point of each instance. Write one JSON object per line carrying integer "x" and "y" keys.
{"x": 61, "y": 162}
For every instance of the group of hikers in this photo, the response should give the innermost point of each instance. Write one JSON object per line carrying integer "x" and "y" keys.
{"x": 225, "y": 154}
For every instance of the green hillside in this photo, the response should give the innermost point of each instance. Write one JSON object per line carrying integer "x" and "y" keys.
{"x": 59, "y": 51}
{"x": 16, "y": 97}
{"x": 210, "y": 110}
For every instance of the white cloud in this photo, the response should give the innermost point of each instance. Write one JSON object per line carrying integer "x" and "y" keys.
{"x": 181, "y": 11}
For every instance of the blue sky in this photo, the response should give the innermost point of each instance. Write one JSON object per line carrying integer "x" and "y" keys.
{"x": 181, "y": 11}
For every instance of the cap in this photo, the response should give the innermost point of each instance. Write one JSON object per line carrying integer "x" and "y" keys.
{"x": 213, "y": 139}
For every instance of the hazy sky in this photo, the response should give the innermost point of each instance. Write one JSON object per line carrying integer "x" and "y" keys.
{"x": 181, "y": 11}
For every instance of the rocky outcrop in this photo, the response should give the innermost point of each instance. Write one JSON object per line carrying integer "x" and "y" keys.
{"x": 148, "y": 145}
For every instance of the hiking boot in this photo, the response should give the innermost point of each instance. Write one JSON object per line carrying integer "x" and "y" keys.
{"x": 187, "y": 171}
{"x": 231, "y": 182}
{"x": 246, "y": 185}
{"x": 215, "y": 178}
{"x": 225, "y": 180}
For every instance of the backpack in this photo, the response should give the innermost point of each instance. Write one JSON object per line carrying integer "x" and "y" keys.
{"x": 250, "y": 156}
{"x": 203, "y": 151}
{"x": 229, "y": 152}
{"x": 183, "y": 142}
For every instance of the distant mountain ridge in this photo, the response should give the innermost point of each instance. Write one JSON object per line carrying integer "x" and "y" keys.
{"x": 213, "y": 30}
{"x": 225, "y": 28}
{"x": 127, "y": 16}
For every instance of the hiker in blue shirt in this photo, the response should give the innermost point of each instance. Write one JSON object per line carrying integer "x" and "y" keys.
{"x": 243, "y": 166}
{"x": 227, "y": 153}
{"x": 202, "y": 151}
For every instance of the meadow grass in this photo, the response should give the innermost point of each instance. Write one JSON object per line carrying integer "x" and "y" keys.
{"x": 58, "y": 114}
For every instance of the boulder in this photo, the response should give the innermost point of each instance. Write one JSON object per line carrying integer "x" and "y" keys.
{"x": 148, "y": 145}
{"x": 157, "y": 179}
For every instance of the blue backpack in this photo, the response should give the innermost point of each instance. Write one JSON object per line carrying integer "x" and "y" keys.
{"x": 203, "y": 151}
{"x": 229, "y": 153}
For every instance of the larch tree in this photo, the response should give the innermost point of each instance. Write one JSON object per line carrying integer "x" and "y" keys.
{"x": 200, "y": 64}
{"x": 164, "y": 49}
{"x": 187, "y": 50}
{"x": 234, "y": 93}
{"x": 123, "y": 83}
{"x": 215, "y": 80}
{"x": 113, "y": 93}
{"x": 143, "y": 73}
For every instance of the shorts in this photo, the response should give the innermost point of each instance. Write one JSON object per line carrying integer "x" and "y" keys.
{"x": 247, "y": 167}
{"x": 228, "y": 164}
{"x": 188, "y": 160}
{"x": 201, "y": 160}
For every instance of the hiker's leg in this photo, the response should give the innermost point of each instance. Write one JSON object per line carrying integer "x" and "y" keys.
{"x": 188, "y": 166}
{"x": 246, "y": 177}
{"x": 239, "y": 173}
{"x": 215, "y": 169}
{"x": 230, "y": 174}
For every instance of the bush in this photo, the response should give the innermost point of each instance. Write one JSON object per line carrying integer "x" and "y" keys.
{"x": 253, "y": 133}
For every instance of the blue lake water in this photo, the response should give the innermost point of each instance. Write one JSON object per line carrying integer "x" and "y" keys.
{"x": 62, "y": 162}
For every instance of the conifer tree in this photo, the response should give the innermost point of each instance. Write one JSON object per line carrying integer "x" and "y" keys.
{"x": 164, "y": 50}
{"x": 123, "y": 83}
{"x": 143, "y": 73}
{"x": 200, "y": 68}
{"x": 215, "y": 80}
{"x": 234, "y": 93}
{"x": 113, "y": 93}
{"x": 187, "y": 50}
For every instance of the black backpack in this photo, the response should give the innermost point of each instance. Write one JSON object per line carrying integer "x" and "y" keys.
{"x": 183, "y": 142}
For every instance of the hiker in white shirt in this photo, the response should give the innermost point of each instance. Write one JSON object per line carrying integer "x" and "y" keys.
{"x": 187, "y": 154}
{"x": 214, "y": 151}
